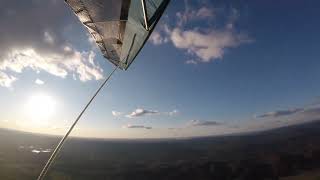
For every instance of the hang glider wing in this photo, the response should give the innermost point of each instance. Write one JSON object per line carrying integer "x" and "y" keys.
{"x": 120, "y": 28}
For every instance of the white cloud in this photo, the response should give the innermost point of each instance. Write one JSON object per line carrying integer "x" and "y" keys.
{"x": 193, "y": 14}
{"x": 36, "y": 151}
{"x": 157, "y": 39}
{"x": 207, "y": 46}
{"x": 67, "y": 49}
{"x": 91, "y": 40}
{"x": 205, "y": 12}
{"x": 173, "y": 113}
{"x": 6, "y": 80}
{"x": 160, "y": 35}
{"x": 48, "y": 38}
{"x": 116, "y": 113}
{"x": 79, "y": 63}
{"x": 207, "y": 43}
{"x": 136, "y": 127}
{"x": 191, "y": 61}
{"x": 41, "y": 45}
{"x": 38, "y": 81}
{"x": 141, "y": 112}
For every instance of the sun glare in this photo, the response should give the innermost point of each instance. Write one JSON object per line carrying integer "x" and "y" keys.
{"x": 40, "y": 107}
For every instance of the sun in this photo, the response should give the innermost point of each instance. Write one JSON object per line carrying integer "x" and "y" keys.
{"x": 40, "y": 107}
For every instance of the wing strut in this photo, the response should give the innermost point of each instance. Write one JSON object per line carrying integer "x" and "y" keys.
{"x": 62, "y": 141}
{"x": 143, "y": 3}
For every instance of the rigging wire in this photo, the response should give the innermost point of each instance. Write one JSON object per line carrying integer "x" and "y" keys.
{"x": 62, "y": 141}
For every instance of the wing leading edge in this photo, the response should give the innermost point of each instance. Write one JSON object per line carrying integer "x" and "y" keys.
{"x": 120, "y": 28}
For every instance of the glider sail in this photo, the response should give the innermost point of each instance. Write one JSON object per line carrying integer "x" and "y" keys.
{"x": 120, "y": 28}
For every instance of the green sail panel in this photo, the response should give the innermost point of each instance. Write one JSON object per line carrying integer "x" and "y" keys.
{"x": 120, "y": 28}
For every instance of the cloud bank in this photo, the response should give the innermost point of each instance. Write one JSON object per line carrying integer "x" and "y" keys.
{"x": 33, "y": 37}
{"x": 314, "y": 109}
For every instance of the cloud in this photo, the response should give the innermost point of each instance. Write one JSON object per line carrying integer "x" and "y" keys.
{"x": 280, "y": 113}
{"x": 282, "y": 118}
{"x": 191, "y": 61}
{"x": 173, "y": 113}
{"x": 305, "y": 113}
{"x": 312, "y": 111}
{"x": 41, "y": 151}
{"x": 137, "y": 127}
{"x": 38, "y": 81}
{"x": 203, "y": 123}
{"x": 315, "y": 101}
{"x": 205, "y": 12}
{"x": 37, "y": 40}
{"x": 206, "y": 43}
{"x": 116, "y": 113}
{"x": 48, "y": 38}
{"x": 157, "y": 39}
{"x": 6, "y": 80}
{"x": 161, "y": 34}
{"x": 193, "y": 14}
{"x": 207, "y": 46}
{"x": 141, "y": 112}
{"x": 78, "y": 63}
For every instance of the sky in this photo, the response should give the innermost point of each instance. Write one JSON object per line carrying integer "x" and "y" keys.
{"x": 209, "y": 68}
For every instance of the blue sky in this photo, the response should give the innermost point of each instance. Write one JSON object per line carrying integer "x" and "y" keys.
{"x": 210, "y": 67}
